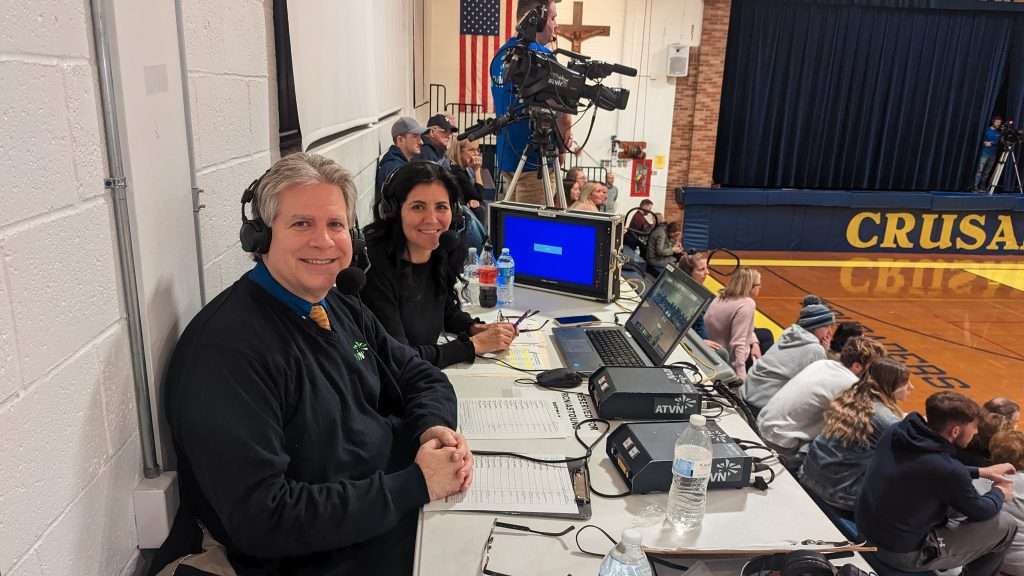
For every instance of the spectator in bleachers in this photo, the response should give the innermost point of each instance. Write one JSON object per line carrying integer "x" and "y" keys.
{"x": 997, "y": 415}
{"x": 913, "y": 482}
{"x": 436, "y": 139}
{"x": 1006, "y": 408}
{"x": 405, "y": 133}
{"x": 592, "y": 196}
{"x": 664, "y": 246}
{"x": 855, "y": 421}
{"x": 577, "y": 174}
{"x": 795, "y": 416}
{"x": 730, "y": 318}
{"x": 467, "y": 167}
{"x": 799, "y": 345}
{"x": 844, "y": 331}
{"x": 1009, "y": 447}
{"x": 613, "y": 193}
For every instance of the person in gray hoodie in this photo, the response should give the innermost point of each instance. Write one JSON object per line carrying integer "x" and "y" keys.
{"x": 798, "y": 346}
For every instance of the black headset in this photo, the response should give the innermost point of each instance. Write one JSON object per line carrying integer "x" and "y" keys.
{"x": 255, "y": 234}
{"x": 800, "y": 563}
{"x": 388, "y": 207}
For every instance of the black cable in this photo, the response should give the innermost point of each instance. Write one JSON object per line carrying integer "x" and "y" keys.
{"x": 712, "y": 254}
{"x": 507, "y": 365}
{"x": 900, "y": 326}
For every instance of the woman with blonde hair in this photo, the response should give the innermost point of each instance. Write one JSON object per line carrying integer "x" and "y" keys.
{"x": 592, "y": 195}
{"x": 475, "y": 182}
{"x": 730, "y": 318}
{"x": 838, "y": 458}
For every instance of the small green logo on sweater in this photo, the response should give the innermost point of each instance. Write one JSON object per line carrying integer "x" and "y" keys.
{"x": 359, "y": 349}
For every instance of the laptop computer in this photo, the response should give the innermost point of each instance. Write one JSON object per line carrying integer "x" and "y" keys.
{"x": 651, "y": 333}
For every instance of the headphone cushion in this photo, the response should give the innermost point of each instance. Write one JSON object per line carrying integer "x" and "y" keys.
{"x": 807, "y": 563}
{"x": 254, "y": 237}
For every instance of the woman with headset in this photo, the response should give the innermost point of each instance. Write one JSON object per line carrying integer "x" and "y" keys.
{"x": 414, "y": 260}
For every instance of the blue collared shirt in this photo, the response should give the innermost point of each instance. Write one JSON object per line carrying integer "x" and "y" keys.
{"x": 261, "y": 276}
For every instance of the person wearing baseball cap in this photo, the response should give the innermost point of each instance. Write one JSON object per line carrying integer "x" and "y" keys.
{"x": 804, "y": 342}
{"x": 436, "y": 139}
{"x": 405, "y": 135}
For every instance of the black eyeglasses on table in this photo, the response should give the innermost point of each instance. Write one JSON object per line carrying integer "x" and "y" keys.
{"x": 486, "y": 557}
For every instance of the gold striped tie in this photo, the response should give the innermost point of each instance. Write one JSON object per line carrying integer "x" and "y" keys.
{"x": 319, "y": 315}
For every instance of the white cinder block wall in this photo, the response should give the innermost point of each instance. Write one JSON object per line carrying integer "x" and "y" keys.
{"x": 226, "y": 47}
{"x": 69, "y": 451}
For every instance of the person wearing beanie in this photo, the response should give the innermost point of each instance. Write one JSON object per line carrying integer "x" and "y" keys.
{"x": 799, "y": 345}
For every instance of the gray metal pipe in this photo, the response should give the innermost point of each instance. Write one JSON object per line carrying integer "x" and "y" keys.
{"x": 197, "y": 204}
{"x": 116, "y": 183}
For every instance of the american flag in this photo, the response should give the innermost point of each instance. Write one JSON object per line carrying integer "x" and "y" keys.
{"x": 484, "y": 25}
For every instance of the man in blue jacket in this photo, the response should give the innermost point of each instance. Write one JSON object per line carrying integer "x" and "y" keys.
{"x": 406, "y": 133}
{"x": 914, "y": 481}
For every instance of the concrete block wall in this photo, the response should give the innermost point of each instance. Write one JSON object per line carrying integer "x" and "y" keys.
{"x": 69, "y": 450}
{"x": 228, "y": 48}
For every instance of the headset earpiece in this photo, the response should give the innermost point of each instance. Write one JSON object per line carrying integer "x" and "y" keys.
{"x": 254, "y": 234}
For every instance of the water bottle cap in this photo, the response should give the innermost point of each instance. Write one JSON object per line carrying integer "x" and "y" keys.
{"x": 632, "y": 537}
{"x": 504, "y": 251}
{"x": 472, "y": 249}
{"x": 698, "y": 420}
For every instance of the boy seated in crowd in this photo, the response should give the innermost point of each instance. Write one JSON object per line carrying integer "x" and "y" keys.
{"x": 912, "y": 484}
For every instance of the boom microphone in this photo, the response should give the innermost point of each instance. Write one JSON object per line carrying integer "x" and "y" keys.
{"x": 448, "y": 242}
{"x": 350, "y": 281}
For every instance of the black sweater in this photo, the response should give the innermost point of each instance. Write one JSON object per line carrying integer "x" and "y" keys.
{"x": 293, "y": 448}
{"x": 912, "y": 483}
{"x": 415, "y": 303}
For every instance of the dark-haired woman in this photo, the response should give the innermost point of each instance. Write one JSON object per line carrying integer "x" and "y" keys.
{"x": 410, "y": 284}
{"x": 839, "y": 457}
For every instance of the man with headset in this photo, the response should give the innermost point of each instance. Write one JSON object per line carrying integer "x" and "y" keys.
{"x": 307, "y": 439}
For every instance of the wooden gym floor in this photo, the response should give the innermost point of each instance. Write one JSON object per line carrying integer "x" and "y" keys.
{"x": 956, "y": 321}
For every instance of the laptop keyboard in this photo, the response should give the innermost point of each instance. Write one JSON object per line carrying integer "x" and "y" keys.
{"x": 613, "y": 348}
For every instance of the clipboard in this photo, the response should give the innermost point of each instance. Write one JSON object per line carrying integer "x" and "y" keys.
{"x": 578, "y": 477}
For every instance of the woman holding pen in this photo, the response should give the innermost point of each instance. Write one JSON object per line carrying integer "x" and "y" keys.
{"x": 414, "y": 263}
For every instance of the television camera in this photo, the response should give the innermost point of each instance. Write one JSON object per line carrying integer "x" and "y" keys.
{"x": 545, "y": 88}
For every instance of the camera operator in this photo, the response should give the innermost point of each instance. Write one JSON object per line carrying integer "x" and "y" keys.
{"x": 513, "y": 139}
{"x": 987, "y": 158}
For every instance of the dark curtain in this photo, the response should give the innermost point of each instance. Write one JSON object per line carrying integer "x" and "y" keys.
{"x": 1015, "y": 101}
{"x": 858, "y": 94}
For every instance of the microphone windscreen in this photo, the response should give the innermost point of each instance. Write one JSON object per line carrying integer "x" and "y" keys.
{"x": 350, "y": 281}
{"x": 449, "y": 240}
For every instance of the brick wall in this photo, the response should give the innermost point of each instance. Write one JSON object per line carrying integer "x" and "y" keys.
{"x": 695, "y": 117}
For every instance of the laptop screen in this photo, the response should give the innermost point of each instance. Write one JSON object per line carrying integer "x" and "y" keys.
{"x": 666, "y": 313}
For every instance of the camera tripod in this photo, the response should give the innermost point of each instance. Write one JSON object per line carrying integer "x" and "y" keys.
{"x": 542, "y": 129}
{"x": 1006, "y": 154}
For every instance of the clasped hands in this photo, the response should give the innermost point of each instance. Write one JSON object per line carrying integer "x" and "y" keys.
{"x": 998, "y": 474}
{"x": 446, "y": 461}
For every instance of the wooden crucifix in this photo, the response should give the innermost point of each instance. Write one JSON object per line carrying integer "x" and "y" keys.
{"x": 577, "y": 32}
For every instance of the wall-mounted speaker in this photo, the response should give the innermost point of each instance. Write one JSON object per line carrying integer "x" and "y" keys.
{"x": 678, "y": 60}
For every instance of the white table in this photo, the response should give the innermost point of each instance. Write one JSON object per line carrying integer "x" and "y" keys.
{"x": 452, "y": 543}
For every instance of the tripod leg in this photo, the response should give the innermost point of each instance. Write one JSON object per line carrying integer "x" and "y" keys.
{"x": 1016, "y": 172}
{"x": 517, "y": 175}
{"x": 549, "y": 199}
{"x": 559, "y": 186}
{"x": 997, "y": 173}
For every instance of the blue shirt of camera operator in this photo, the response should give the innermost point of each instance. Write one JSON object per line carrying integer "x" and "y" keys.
{"x": 512, "y": 140}
{"x": 990, "y": 143}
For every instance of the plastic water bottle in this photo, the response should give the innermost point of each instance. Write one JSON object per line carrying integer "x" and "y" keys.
{"x": 691, "y": 470}
{"x": 472, "y": 274}
{"x": 506, "y": 278}
{"x": 627, "y": 558}
{"x": 488, "y": 278}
